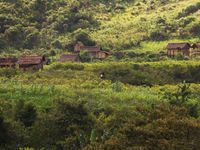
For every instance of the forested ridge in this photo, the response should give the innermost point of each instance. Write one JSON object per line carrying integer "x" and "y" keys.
{"x": 44, "y": 25}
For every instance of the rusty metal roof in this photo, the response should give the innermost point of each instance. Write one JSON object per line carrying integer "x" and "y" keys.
{"x": 69, "y": 57}
{"x": 31, "y": 59}
{"x": 178, "y": 45}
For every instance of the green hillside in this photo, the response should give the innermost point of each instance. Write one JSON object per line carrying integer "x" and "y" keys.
{"x": 40, "y": 26}
{"x": 137, "y": 99}
{"x": 158, "y": 21}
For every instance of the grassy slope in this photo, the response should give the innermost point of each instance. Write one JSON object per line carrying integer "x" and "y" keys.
{"x": 126, "y": 29}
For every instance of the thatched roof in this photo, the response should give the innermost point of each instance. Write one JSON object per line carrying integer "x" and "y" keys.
{"x": 178, "y": 46}
{"x": 69, "y": 57}
{"x": 8, "y": 61}
{"x": 91, "y": 48}
{"x": 31, "y": 59}
{"x": 79, "y": 46}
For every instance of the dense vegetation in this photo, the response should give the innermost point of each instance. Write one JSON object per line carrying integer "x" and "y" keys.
{"x": 145, "y": 101}
{"x": 43, "y": 26}
{"x": 68, "y": 106}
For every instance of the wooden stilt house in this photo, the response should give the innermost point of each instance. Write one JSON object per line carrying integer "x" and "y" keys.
{"x": 34, "y": 62}
{"x": 7, "y": 62}
{"x": 93, "y": 51}
{"x": 174, "y": 49}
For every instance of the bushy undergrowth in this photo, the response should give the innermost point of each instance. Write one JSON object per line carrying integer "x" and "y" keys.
{"x": 96, "y": 118}
{"x": 78, "y": 109}
{"x": 146, "y": 73}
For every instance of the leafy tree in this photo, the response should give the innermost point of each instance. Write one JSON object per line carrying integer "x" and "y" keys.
{"x": 68, "y": 126}
{"x": 25, "y": 112}
{"x": 14, "y": 35}
{"x": 83, "y": 36}
{"x": 32, "y": 38}
{"x": 2, "y": 42}
{"x": 57, "y": 44}
{"x": 194, "y": 28}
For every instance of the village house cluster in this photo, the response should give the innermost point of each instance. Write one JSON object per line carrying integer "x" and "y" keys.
{"x": 94, "y": 52}
{"x": 36, "y": 62}
{"x": 26, "y": 62}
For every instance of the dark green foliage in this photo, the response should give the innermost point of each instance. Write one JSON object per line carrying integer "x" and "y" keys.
{"x": 68, "y": 126}
{"x": 49, "y": 24}
{"x": 157, "y": 35}
{"x": 57, "y": 44}
{"x": 194, "y": 28}
{"x": 190, "y": 9}
{"x": 8, "y": 72}
{"x": 4, "y": 139}
{"x": 181, "y": 96}
{"x": 182, "y": 99}
{"x": 52, "y": 53}
{"x": 25, "y": 113}
{"x": 158, "y": 129}
{"x": 84, "y": 56}
{"x": 32, "y": 38}
{"x": 82, "y": 35}
{"x": 71, "y": 66}
{"x": 23, "y": 23}
{"x": 2, "y": 43}
{"x": 14, "y": 35}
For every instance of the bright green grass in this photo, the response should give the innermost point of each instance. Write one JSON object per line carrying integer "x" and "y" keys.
{"x": 155, "y": 46}
{"x": 124, "y": 30}
{"x": 43, "y": 96}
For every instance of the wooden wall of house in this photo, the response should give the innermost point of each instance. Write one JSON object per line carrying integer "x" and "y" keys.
{"x": 175, "y": 52}
{"x": 102, "y": 55}
{"x": 78, "y": 59}
{"x": 93, "y": 54}
{"x": 31, "y": 67}
{"x": 186, "y": 52}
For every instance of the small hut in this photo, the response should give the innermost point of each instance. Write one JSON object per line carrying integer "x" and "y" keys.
{"x": 7, "y": 62}
{"x": 70, "y": 58}
{"x": 35, "y": 62}
{"x": 93, "y": 51}
{"x": 174, "y": 49}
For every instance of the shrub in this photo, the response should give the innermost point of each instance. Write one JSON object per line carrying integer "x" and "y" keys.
{"x": 83, "y": 36}
{"x": 84, "y": 56}
{"x": 194, "y": 28}
{"x": 159, "y": 128}
{"x": 117, "y": 86}
{"x": 57, "y": 44}
{"x": 69, "y": 126}
{"x": 8, "y": 72}
{"x": 157, "y": 35}
{"x": 25, "y": 112}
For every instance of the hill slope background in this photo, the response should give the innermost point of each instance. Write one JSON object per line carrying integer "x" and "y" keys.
{"x": 40, "y": 26}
